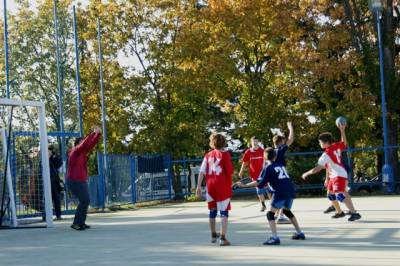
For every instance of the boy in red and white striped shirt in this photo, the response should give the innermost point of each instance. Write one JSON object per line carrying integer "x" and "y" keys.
{"x": 331, "y": 160}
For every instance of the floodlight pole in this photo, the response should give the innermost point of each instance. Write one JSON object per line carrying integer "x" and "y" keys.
{"x": 103, "y": 108}
{"x": 6, "y": 49}
{"x": 59, "y": 86}
{"x": 387, "y": 170}
{"x": 77, "y": 74}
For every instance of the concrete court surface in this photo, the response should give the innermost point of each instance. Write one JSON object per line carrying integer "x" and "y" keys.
{"x": 177, "y": 234}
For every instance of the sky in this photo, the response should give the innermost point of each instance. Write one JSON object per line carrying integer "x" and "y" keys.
{"x": 12, "y": 6}
{"x": 122, "y": 59}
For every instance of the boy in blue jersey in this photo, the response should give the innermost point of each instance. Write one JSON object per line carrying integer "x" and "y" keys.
{"x": 281, "y": 145}
{"x": 274, "y": 174}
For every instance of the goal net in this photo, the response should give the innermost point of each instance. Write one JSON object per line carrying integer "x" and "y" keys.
{"x": 25, "y": 188}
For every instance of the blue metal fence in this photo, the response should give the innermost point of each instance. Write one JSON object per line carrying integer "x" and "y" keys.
{"x": 361, "y": 163}
{"x": 130, "y": 179}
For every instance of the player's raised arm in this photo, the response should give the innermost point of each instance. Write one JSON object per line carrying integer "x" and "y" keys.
{"x": 291, "y": 134}
{"x": 342, "y": 128}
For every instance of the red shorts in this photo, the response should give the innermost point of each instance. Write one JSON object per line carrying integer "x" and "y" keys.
{"x": 220, "y": 206}
{"x": 337, "y": 184}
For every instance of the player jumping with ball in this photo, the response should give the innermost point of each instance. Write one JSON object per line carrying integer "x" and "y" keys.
{"x": 331, "y": 160}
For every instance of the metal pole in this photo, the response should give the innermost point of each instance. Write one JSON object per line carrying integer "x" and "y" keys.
{"x": 103, "y": 108}
{"x": 387, "y": 170}
{"x": 45, "y": 165}
{"x": 6, "y": 50}
{"x": 78, "y": 75}
{"x": 59, "y": 86}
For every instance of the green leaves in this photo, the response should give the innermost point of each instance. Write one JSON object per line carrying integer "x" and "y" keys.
{"x": 242, "y": 67}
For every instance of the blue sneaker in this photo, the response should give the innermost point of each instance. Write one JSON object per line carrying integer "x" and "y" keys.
{"x": 299, "y": 236}
{"x": 272, "y": 241}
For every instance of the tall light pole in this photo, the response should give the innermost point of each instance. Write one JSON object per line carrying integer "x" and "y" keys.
{"x": 103, "y": 106}
{"x": 59, "y": 86}
{"x": 6, "y": 49}
{"x": 376, "y": 8}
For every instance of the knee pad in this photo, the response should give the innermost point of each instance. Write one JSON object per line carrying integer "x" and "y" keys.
{"x": 224, "y": 214}
{"x": 340, "y": 197}
{"x": 270, "y": 216}
{"x": 213, "y": 214}
{"x": 332, "y": 197}
{"x": 289, "y": 214}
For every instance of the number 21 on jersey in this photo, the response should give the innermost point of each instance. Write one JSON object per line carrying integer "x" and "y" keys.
{"x": 282, "y": 172}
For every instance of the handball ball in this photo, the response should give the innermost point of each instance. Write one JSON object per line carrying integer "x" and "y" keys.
{"x": 340, "y": 121}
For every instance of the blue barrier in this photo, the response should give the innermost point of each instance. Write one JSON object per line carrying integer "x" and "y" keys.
{"x": 133, "y": 179}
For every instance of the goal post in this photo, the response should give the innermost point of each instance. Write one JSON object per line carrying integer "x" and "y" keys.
{"x": 36, "y": 112}
{"x": 8, "y": 179}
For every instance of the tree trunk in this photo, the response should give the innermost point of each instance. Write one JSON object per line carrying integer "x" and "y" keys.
{"x": 176, "y": 182}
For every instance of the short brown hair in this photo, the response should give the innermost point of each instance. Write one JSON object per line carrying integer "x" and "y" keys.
{"x": 270, "y": 153}
{"x": 217, "y": 141}
{"x": 254, "y": 137}
{"x": 326, "y": 137}
{"x": 278, "y": 139}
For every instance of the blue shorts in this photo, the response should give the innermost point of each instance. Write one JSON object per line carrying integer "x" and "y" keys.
{"x": 264, "y": 190}
{"x": 261, "y": 191}
{"x": 279, "y": 204}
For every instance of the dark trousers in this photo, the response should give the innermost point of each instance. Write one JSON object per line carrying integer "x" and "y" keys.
{"x": 56, "y": 197}
{"x": 81, "y": 191}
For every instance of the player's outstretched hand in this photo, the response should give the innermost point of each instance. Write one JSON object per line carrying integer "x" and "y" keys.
{"x": 237, "y": 185}
{"x": 198, "y": 192}
{"x": 289, "y": 124}
{"x": 240, "y": 184}
{"x": 304, "y": 176}
{"x": 96, "y": 129}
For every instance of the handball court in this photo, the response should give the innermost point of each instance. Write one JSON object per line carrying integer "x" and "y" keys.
{"x": 178, "y": 234}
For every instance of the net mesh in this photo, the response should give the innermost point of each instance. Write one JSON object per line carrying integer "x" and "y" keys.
{"x": 20, "y": 126}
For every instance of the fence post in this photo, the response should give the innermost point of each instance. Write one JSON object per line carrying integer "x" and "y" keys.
{"x": 101, "y": 184}
{"x": 184, "y": 174}
{"x": 169, "y": 165}
{"x": 133, "y": 178}
{"x": 350, "y": 173}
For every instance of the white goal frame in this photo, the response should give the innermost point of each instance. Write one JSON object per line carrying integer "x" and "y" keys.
{"x": 44, "y": 159}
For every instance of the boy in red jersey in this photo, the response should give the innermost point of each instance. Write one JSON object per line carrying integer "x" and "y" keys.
{"x": 331, "y": 160}
{"x": 217, "y": 168}
{"x": 254, "y": 159}
{"x": 77, "y": 175}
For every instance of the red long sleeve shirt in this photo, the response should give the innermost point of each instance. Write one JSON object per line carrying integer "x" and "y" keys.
{"x": 78, "y": 157}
